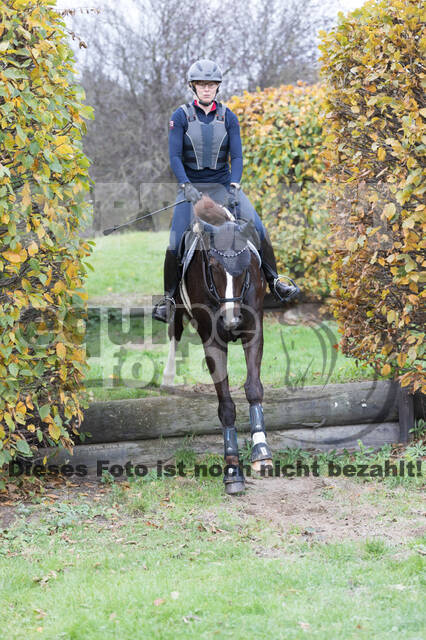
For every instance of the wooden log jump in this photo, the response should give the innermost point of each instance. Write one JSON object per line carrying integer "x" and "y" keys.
{"x": 148, "y": 452}
{"x": 179, "y": 415}
{"x": 144, "y": 431}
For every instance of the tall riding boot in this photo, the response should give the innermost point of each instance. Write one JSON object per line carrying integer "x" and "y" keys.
{"x": 281, "y": 291}
{"x": 164, "y": 310}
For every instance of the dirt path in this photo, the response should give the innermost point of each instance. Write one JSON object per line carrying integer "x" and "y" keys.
{"x": 335, "y": 509}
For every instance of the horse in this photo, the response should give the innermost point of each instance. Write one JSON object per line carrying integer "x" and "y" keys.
{"x": 221, "y": 291}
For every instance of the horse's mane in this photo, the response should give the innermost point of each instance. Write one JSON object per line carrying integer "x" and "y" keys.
{"x": 209, "y": 211}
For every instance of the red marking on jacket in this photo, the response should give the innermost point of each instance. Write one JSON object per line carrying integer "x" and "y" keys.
{"x": 197, "y": 105}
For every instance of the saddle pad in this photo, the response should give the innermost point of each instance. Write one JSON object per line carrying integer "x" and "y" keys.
{"x": 189, "y": 243}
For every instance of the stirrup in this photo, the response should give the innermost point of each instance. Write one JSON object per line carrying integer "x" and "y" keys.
{"x": 291, "y": 295}
{"x": 163, "y": 302}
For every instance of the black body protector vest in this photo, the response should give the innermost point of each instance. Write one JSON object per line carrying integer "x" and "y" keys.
{"x": 205, "y": 145}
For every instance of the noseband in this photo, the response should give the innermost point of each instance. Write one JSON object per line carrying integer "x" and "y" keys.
{"x": 208, "y": 276}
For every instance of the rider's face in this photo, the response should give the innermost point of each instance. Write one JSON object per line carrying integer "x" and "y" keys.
{"x": 206, "y": 90}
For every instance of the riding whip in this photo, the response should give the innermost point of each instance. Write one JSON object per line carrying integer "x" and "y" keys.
{"x": 106, "y": 232}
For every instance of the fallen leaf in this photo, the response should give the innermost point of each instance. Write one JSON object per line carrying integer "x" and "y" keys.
{"x": 187, "y": 619}
{"x": 159, "y": 601}
{"x": 45, "y": 579}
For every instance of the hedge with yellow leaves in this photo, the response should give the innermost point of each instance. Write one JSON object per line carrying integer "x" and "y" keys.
{"x": 375, "y": 137}
{"x": 43, "y": 180}
{"x": 281, "y": 131}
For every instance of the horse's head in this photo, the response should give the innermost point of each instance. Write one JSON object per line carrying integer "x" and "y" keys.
{"x": 226, "y": 265}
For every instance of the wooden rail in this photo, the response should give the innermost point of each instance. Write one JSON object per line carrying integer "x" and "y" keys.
{"x": 180, "y": 414}
{"x": 337, "y": 416}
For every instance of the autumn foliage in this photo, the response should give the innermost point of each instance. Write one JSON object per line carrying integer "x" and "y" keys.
{"x": 43, "y": 180}
{"x": 375, "y": 135}
{"x": 281, "y": 132}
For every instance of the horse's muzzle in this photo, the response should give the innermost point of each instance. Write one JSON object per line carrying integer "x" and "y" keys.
{"x": 233, "y": 323}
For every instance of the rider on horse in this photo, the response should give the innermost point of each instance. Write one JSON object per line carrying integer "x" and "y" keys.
{"x": 202, "y": 135}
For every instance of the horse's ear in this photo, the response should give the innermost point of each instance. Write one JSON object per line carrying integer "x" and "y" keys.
{"x": 202, "y": 229}
{"x": 200, "y": 226}
{"x": 249, "y": 231}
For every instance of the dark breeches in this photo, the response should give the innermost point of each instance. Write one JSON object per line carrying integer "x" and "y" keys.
{"x": 183, "y": 213}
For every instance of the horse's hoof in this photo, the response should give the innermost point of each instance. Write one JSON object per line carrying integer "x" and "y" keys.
{"x": 258, "y": 465}
{"x": 234, "y": 480}
{"x": 233, "y": 488}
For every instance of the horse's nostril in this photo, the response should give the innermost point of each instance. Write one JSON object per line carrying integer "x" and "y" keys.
{"x": 233, "y": 323}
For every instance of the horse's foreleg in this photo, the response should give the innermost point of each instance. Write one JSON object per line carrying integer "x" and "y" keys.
{"x": 261, "y": 455}
{"x": 175, "y": 330}
{"x": 216, "y": 361}
{"x": 170, "y": 368}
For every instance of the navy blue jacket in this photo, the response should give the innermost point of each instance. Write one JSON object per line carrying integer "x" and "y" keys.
{"x": 177, "y": 128}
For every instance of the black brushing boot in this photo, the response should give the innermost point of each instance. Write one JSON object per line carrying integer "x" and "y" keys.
{"x": 281, "y": 291}
{"x": 233, "y": 477}
{"x": 164, "y": 310}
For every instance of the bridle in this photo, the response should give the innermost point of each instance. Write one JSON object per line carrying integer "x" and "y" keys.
{"x": 209, "y": 280}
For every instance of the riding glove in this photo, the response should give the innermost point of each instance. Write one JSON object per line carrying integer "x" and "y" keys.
{"x": 191, "y": 193}
{"x": 233, "y": 198}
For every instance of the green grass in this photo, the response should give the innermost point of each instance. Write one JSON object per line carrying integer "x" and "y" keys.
{"x": 133, "y": 263}
{"x": 146, "y": 559}
{"x": 128, "y": 262}
{"x": 292, "y": 356}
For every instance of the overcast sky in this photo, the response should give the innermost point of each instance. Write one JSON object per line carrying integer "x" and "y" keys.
{"x": 345, "y": 5}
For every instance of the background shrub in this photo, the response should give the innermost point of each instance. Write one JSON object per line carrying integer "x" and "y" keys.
{"x": 281, "y": 131}
{"x": 375, "y": 148}
{"x": 43, "y": 181}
